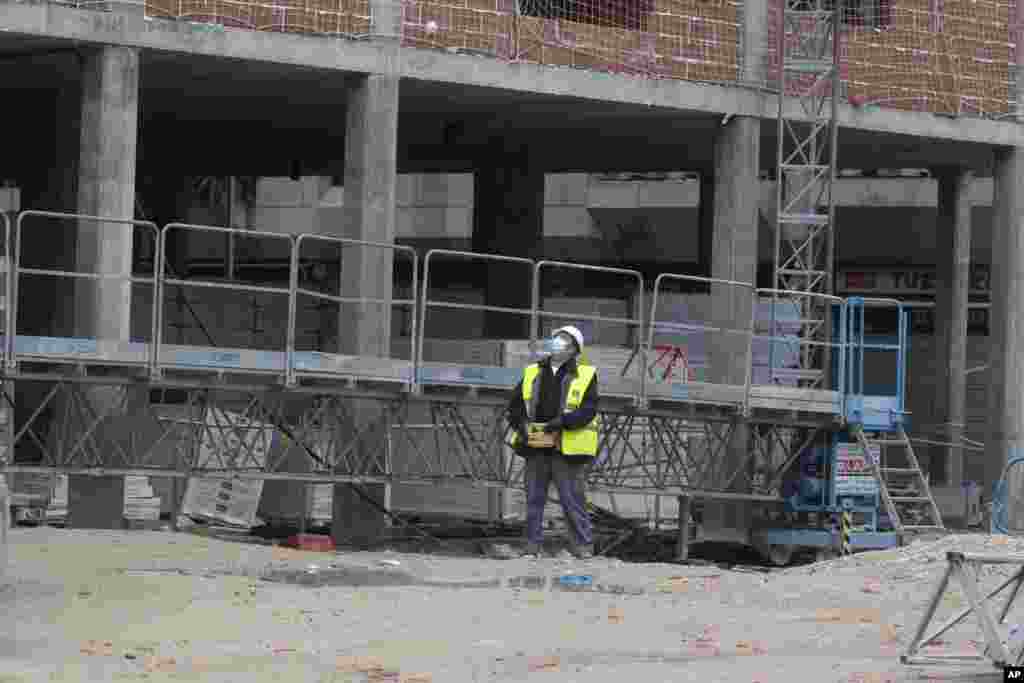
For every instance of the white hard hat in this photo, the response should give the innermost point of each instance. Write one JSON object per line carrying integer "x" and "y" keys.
{"x": 573, "y": 332}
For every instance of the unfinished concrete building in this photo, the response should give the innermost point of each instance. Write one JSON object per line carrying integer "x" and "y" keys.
{"x": 340, "y": 341}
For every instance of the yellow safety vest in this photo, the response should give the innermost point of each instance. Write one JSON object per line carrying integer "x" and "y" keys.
{"x": 574, "y": 441}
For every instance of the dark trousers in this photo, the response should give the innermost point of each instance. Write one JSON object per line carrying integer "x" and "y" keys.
{"x": 541, "y": 470}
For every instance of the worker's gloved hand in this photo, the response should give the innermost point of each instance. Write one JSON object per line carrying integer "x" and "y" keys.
{"x": 553, "y": 426}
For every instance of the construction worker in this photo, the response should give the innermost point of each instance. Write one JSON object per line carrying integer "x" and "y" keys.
{"x": 553, "y": 414}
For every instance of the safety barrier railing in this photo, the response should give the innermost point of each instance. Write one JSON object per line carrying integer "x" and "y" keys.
{"x": 701, "y": 327}
{"x": 6, "y": 278}
{"x": 849, "y": 353}
{"x": 886, "y": 406}
{"x": 449, "y": 373}
{"x": 612, "y": 384}
{"x": 301, "y": 361}
{"x": 89, "y": 346}
{"x": 828, "y": 355}
{"x": 242, "y": 360}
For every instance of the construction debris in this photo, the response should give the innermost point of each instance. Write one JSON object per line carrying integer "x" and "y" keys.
{"x": 139, "y": 501}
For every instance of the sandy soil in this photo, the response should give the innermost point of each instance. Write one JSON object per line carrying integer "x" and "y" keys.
{"x": 158, "y": 606}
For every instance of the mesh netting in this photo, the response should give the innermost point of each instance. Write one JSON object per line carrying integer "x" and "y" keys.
{"x": 326, "y": 17}
{"x": 942, "y": 56}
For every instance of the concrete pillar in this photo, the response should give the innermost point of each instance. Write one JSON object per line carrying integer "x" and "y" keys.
{"x": 106, "y": 187}
{"x": 508, "y": 219}
{"x": 953, "y": 242}
{"x": 734, "y": 257}
{"x": 706, "y": 220}
{"x": 371, "y": 141}
{"x": 387, "y": 18}
{"x": 754, "y": 43}
{"x": 1006, "y": 341}
{"x": 734, "y": 243}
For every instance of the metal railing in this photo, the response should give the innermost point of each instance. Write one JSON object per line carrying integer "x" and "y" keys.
{"x": 826, "y": 348}
{"x": 745, "y": 333}
{"x": 17, "y": 271}
{"x": 632, "y": 323}
{"x": 342, "y": 297}
{"x": 426, "y": 303}
{"x": 859, "y": 349}
{"x": 158, "y": 364}
{"x": 847, "y": 353}
{"x": 6, "y": 258}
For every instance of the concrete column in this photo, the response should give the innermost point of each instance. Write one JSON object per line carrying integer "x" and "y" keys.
{"x": 371, "y": 141}
{"x": 1006, "y": 341}
{"x": 734, "y": 242}
{"x": 706, "y": 220}
{"x": 370, "y": 182}
{"x": 734, "y": 257}
{"x": 106, "y": 187}
{"x": 953, "y": 240}
{"x": 754, "y": 43}
{"x": 386, "y": 16}
{"x": 508, "y": 219}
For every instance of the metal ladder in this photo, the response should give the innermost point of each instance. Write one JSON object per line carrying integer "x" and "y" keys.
{"x": 901, "y": 483}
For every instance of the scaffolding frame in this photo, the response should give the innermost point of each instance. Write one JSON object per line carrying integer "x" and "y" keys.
{"x": 807, "y": 136}
{"x": 358, "y": 419}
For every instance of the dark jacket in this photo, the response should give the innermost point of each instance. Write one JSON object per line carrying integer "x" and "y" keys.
{"x": 548, "y": 407}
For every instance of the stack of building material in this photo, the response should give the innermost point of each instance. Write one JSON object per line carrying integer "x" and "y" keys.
{"x": 139, "y": 502}
{"x": 34, "y": 489}
{"x": 57, "y": 511}
{"x": 231, "y": 502}
{"x": 321, "y": 500}
{"x": 225, "y": 500}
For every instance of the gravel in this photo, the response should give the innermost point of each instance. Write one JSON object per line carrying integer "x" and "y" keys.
{"x": 104, "y": 605}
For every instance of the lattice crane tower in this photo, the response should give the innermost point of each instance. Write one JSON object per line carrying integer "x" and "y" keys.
{"x": 808, "y": 80}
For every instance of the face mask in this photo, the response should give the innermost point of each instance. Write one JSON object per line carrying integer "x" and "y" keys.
{"x": 558, "y": 349}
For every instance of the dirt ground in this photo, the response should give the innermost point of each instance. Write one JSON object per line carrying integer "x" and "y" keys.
{"x": 160, "y": 606}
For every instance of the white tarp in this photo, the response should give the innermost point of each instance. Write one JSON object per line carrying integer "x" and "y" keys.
{"x": 229, "y": 439}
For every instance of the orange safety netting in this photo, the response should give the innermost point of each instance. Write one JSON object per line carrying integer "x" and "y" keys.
{"x": 944, "y": 56}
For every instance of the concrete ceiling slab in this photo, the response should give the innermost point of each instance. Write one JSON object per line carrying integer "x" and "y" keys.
{"x": 78, "y": 27}
{"x": 245, "y": 110}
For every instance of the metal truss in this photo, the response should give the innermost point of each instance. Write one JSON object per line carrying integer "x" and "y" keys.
{"x": 320, "y": 438}
{"x": 808, "y": 51}
{"x": 968, "y": 570}
{"x": 289, "y": 412}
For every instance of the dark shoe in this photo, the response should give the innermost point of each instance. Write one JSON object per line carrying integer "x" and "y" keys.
{"x": 584, "y": 552}
{"x": 531, "y": 551}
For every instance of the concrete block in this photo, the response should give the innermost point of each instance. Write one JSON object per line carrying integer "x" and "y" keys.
{"x": 612, "y": 195}
{"x": 291, "y": 220}
{"x": 568, "y": 221}
{"x": 566, "y": 189}
{"x": 959, "y": 505}
{"x": 665, "y": 194}
{"x": 420, "y": 221}
{"x": 460, "y": 189}
{"x": 356, "y": 521}
{"x": 287, "y": 500}
{"x": 5, "y": 523}
{"x": 10, "y": 199}
{"x": 95, "y": 502}
{"x": 458, "y": 222}
{"x": 279, "y": 192}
